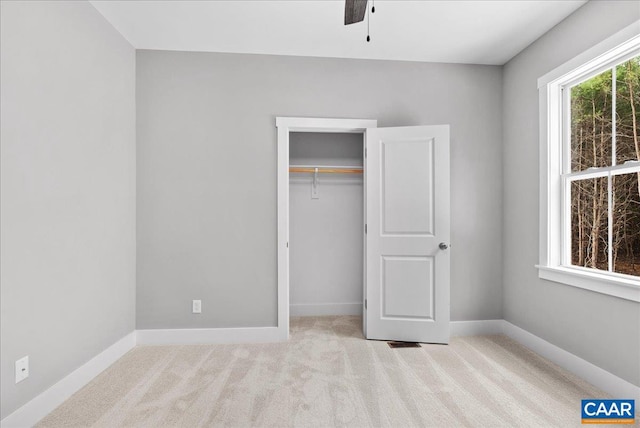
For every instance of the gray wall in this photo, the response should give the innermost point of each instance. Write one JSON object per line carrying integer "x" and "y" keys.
{"x": 326, "y": 235}
{"x": 206, "y": 173}
{"x": 68, "y": 191}
{"x": 601, "y": 329}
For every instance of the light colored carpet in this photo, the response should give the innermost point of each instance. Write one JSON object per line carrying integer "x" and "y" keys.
{"x": 327, "y": 375}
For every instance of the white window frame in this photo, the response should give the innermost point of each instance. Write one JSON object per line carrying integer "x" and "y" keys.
{"x": 555, "y": 165}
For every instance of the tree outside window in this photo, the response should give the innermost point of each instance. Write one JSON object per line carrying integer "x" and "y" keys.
{"x": 604, "y": 177}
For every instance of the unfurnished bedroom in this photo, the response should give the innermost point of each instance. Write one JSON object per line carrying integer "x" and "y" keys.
{"x": 349, "y": 213}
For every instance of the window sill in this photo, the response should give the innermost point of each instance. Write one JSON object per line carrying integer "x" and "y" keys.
{"x": 621, "y": 286}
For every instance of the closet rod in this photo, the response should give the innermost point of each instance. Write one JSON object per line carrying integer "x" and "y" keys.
{"x": 327, "y": 169}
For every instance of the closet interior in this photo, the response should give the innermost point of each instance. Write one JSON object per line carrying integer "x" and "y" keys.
{"x": 326, "y": 215}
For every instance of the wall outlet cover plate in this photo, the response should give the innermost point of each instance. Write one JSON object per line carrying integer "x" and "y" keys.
{"x": 22, "y": 369}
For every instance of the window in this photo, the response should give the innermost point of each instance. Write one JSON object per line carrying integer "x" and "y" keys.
{"x": 602, "y": 179}
{"x": 590, "y": 169}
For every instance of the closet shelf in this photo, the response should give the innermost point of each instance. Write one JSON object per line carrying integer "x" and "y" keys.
{"x": 326, "y": 169}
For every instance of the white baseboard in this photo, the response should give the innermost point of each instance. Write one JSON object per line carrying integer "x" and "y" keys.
{"x": 598, "y": 377}
{"x": 194, "y": 336}
{"x": 608, "y": 382}
{"x": 36, "y": 409}
{"x": 43, "y": 404}
{"x": 476, "y": 328}
{"x": 324, "y": 309}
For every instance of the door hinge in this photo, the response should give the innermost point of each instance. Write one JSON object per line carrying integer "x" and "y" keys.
{"x": 365, "y": 152}
{"x": 365, "y": 303}
{"x": 365, "y": 228}
{"x": 287, "y": 245}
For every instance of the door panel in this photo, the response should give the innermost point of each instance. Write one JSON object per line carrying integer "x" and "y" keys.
{"x": 407, "y": 194}
{"x": 407, "y": 209}
{"x": 404, "y": 294}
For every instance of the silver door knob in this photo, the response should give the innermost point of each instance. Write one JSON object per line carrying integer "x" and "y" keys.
{"x": 443, "y": 246}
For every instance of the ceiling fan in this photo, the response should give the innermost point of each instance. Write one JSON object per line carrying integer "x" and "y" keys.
{"x": 354, "y": 11}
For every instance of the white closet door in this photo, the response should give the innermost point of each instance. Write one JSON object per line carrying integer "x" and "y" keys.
{"x": 407, "y": 209}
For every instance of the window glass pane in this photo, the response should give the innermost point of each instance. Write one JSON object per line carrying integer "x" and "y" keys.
{"x": 626, "y": 224}
{"x": 628, "y": 110}
{"x": 591, "y": 122}
{"x": 589, "y": 223}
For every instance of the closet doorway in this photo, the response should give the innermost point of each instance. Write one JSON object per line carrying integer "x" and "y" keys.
{"x": 399, "y": 235}
{"x": 326, "y": 223}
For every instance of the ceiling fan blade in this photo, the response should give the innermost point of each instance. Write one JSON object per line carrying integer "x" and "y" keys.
{"x": 354, "y": 11}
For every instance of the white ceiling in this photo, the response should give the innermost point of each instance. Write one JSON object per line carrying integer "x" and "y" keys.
{"x": 472, "y": 32}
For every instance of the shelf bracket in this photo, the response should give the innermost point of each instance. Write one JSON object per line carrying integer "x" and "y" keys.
{"x": 314, "y": 185}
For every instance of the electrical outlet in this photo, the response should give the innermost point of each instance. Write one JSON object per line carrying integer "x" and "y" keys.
{"x": 197, "y": 306}
{"x": 22, "y": 369}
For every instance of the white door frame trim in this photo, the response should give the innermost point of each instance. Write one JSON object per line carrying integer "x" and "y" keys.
{"x": 285, "y": 125}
